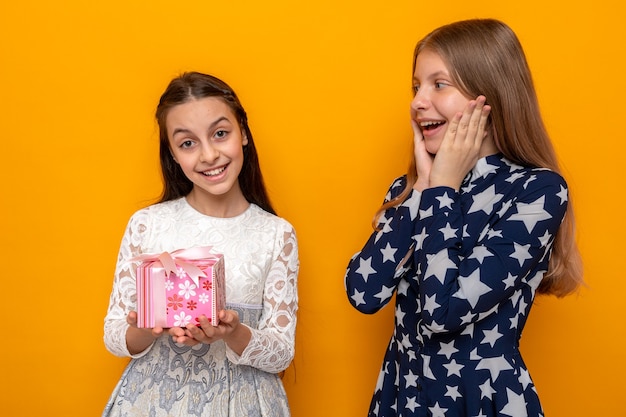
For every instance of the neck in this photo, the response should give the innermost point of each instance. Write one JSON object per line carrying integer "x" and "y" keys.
{"x": 488, "y": 147}
{"x": 231, "y": 204}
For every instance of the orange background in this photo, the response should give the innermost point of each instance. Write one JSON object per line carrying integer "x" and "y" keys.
{"x": 327, "y": 88}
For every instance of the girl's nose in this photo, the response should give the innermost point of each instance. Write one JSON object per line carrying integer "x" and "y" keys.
{"x": 209, "y": 153}
{"x": 420, "y": 101}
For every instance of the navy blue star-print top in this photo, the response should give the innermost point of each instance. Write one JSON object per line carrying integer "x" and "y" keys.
{"x": 464, "y": 267}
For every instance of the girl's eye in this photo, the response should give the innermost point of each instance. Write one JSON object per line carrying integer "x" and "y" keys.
{"x": 186, "y": 144}
{"x": 440, "y": 84}
{"x": 221, "y": 134}
{"x": 415, "y": 88}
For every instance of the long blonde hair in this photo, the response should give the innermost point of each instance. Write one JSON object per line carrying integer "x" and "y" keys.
{"x": 484, "y": 56}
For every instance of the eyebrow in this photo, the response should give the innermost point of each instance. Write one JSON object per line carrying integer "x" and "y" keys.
{"x": 211, "y": 126}
{"x": 436, "y": 74}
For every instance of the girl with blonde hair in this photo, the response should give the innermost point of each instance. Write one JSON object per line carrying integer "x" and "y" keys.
{"x": 480, "y": 224}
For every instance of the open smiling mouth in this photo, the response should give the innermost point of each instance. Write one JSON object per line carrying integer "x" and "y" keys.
{"x": 430, "y": 125}
{"x": 214, "y": 172}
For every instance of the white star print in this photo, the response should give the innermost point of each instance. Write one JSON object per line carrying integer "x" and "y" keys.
{"x": 531, "y": 214}
{"x": 505, "y": 207}
{"x": 472, "y": 288}
{"x": 521, "y": 253}
{"x": 487, "y": 313}
{"x": 543, "y": 240}
{"x": 454, "y": 368}
{"x": 447, "y": 349}
{"x": 562, "y": 194}
{"x": 480, "y": 253}
{"x": 430, "y": 304}
{"x": 388, "y": 253}
{"x": 467, "y": 318}
{"x": 486, "y": 390}
{"x": 529, "y": 180}
{"x": 477, "y": 272}
{"x": 411, "y": 379}
{"x": 445, "y": 201}
{"x": 483, "y": 168}
{"x": 453, "y": 392}
{"x": 484, "y": 233}
{"x": 514, "y": 177}
{"x": 400, "y": 316}
{"x": 386, "y": 225}
{"x": 509, "y": 281}
{"x": 469, "y": 330}
{"x": 386, "y": 228}
{"x": 448, "y": 232}
{"x": 515, "y": 297}
{"x": 426, "y": 213}
{"x": 438, "y": 265}
{"x": 403, "y": 286}
{"x": 474, "y": 356}
{"x": 524, "y": 378}
{"x": 437, "y": 411}
{"x": 491, "y": 336}
{"x": 427, "y": 372}
{"x": 516, "y": 406}
{"x": 358, "y": 297}
{"x": 419, "y": 239}
{"x": 385, "y": 293}
{"x": 485, "y": 200}
{"x": 535, "y": 280}
{"x": 522, "y": 306}
{"x": 411, "y": 404}
{"x": 406, "y": 341}
{"x": 365, "y": 268}
{"x": 494, "y": 365}
{"x": 513, "y": 167}
{"x": 413, "y": 203}
{"x": 468, "y": 188}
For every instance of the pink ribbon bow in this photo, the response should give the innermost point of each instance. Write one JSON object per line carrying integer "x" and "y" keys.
{"x": 180, "y": 258}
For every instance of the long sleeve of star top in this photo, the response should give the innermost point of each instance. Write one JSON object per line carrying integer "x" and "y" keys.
{"x": 472, "y": 249}
{"x": 374, "y": 273}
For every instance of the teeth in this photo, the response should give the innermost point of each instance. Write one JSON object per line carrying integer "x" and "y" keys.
{"x": 429, "y": 123}
{"x": 214, "y": 172}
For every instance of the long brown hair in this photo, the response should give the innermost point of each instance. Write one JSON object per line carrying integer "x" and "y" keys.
{"x": 484, "y": 56}
{"x": 195, "y": 85}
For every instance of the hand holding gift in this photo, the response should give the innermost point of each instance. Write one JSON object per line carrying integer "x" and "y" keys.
{"x": 138, "y": 339}
{"x": 229, "y": 329}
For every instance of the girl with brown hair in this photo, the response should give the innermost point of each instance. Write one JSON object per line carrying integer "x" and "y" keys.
{"x": 213, "y": 195}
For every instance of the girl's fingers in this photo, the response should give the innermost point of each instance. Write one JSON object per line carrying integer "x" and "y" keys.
{"x": 417, "y": 132}
{"x": 476, "y": 122}
{"x": 469, "y": 125}
{"x": 484, "y": 116}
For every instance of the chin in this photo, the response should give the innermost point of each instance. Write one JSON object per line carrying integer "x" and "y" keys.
{"x": 432, "y": 149}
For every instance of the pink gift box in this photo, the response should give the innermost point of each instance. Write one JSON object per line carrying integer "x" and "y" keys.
{"x": 175, "y": 289}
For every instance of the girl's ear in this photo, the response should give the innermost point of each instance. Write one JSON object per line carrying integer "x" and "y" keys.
{"x": 244, "y": 139}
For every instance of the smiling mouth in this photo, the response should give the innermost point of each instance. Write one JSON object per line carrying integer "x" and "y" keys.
{"x": 430, "y": 125}
{"x": 214, "y": 172}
